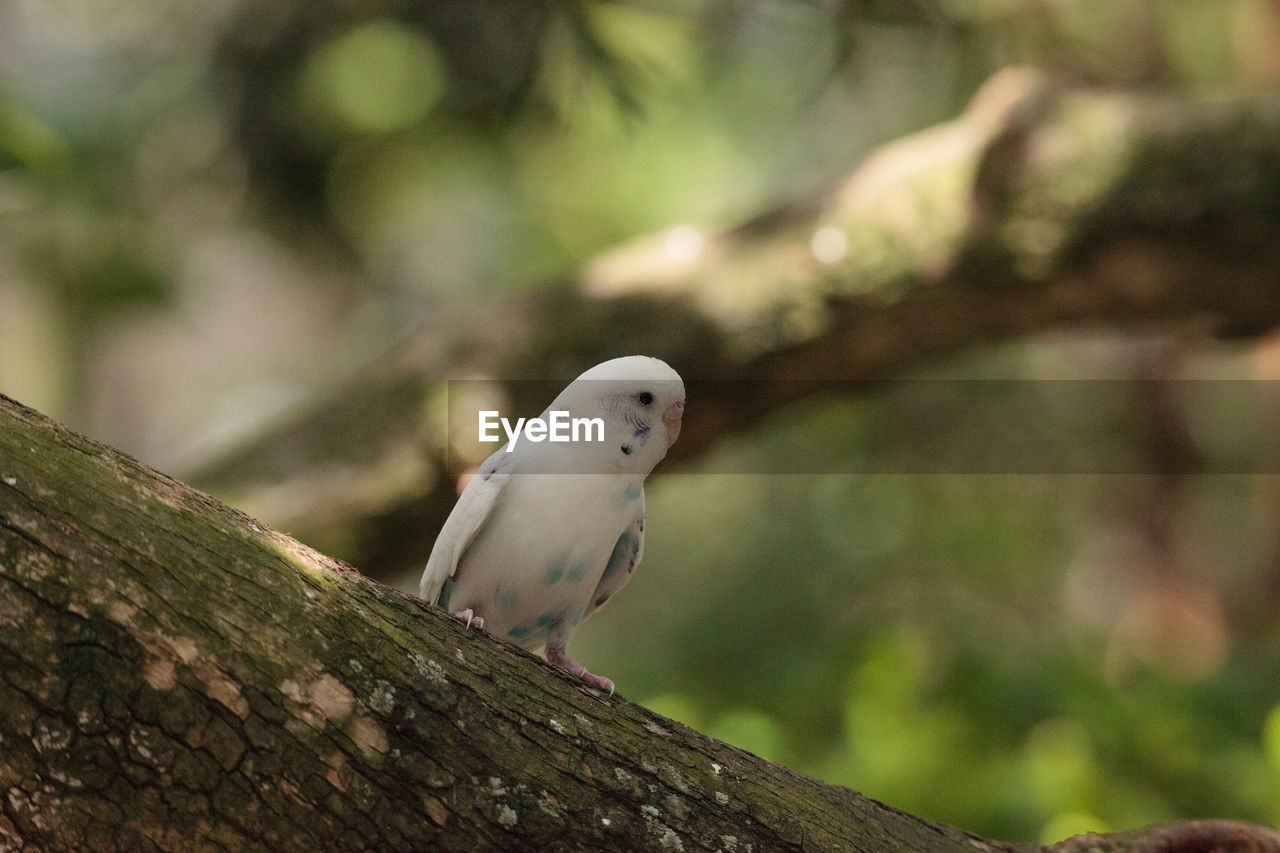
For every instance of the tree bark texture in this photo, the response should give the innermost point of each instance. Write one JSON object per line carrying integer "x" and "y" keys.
{"x": 1041, "y": 206}
{"x": 176, "y": 676}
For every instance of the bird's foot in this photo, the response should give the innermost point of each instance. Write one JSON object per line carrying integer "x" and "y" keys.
{"x": 469, "y": 618}
{"x": 556, "y": 655}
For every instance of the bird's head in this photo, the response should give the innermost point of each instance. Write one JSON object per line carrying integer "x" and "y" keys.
{"x": 641, "y": 402}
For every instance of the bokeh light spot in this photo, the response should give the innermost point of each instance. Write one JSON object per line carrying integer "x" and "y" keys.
{"x": 1271, "y": 740}
{"x": 378, "y": 77}
{"x": 828, "y": 244}
{"x": 682, "y": 243}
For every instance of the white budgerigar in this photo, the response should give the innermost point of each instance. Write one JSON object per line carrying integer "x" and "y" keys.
{"x": 545, "y": 533}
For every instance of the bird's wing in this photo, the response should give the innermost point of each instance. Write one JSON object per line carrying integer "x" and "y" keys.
{"x": 622, "y": 562}
{"x": 474, "y": 506}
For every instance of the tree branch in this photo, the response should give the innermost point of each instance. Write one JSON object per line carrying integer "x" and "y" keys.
{"x": 176, "y": 676}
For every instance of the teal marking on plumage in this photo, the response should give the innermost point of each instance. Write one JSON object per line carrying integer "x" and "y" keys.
{"x": 623, "y": 553}
{"x": 631, "y": 492}
{"x": 546, "y": 619}
{"x": 554, "y": 574}
{"x": 505, "y": 598}
{"x": 519, "y": 632}
{"x": 446, "y": 592}
{"x": 577, "y": 573}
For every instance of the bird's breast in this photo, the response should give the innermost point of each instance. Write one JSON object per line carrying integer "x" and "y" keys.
{"x": 537, "y": 561}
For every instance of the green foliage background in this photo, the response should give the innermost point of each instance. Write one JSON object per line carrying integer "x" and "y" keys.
{"x": 995, "y": 650}
{"x": 210, "y": 211}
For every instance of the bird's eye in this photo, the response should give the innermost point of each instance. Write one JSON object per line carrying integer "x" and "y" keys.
{"x": 645, "y": 398}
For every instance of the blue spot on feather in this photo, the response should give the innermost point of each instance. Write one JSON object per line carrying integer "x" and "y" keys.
{"x": 631, "y": 492}
{"x": 561, "y": 570}
{"x": 546, "y": 619}
{"x": 505, "y": 598}
{"x": 623, "y": 556}
{"x": 446, "y": 592}
{"x": 519, "y": 632}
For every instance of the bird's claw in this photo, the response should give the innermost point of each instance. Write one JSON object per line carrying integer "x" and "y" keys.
{"x": 557, "y": 656}
{"x": 469, "y": 618}
{"x": 599, "y": 681}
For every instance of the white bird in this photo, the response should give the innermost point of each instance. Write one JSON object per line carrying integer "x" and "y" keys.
{"x": 543, "y": 535}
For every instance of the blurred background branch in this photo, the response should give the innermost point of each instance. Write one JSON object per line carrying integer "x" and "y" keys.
{"x": 908, "y": 259}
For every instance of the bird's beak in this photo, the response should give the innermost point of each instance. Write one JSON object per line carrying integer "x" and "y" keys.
{"x": 671, "y": 418}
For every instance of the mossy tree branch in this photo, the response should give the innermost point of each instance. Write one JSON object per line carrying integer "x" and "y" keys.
{"x": 176, "y": 676}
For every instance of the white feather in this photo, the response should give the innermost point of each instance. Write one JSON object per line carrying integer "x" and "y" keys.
{"x": 474, "y": 506}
